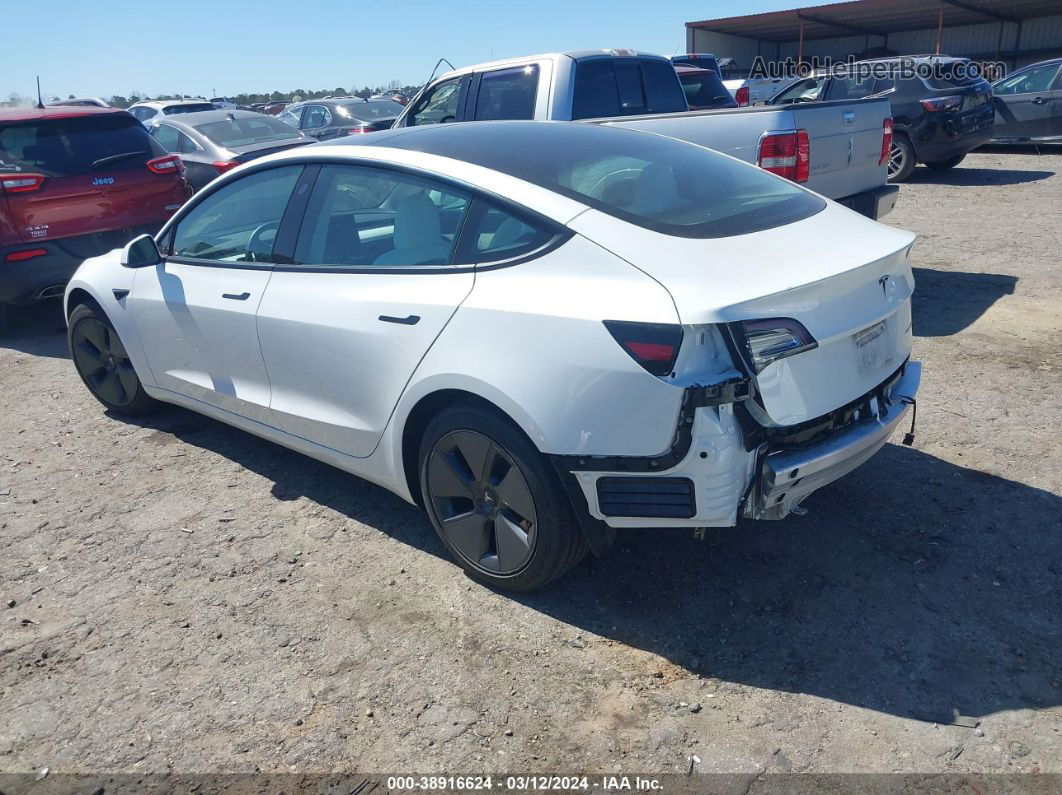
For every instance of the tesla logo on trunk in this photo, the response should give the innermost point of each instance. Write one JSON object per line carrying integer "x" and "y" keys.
{"x": 883, "y": 281}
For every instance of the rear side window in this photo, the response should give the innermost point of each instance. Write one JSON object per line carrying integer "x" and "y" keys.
{"x": 625, "y": 87}
{"x": 492, "y": 234}
{"x": 76, "y": 146}
{"x": 507, "y": 94}
{"x": 238, "y": 222}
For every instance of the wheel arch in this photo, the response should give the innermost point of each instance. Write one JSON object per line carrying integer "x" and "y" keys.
{"x": 78, "y": 296}
{"x": 416, "y": 421}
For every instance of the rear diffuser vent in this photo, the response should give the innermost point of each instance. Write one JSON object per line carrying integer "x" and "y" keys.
{"x": 652, "y": 498}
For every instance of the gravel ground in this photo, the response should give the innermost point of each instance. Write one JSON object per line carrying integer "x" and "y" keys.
{"x": 177, "y": 595}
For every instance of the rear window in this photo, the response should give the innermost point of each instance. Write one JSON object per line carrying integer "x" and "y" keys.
{"x": 76, "y": 146}
{"x": 658, "y": 183}
{"x": 191, "y": 107}
{"x": 953, "y": 75}
{"x": 367, "y": 111}
{"x": 625, "y": 87}
{"x": 705, "y": 90}
{"x": 245, "y": 132}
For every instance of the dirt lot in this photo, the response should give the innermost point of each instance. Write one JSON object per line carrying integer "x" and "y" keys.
{"x": 190, "y": 598}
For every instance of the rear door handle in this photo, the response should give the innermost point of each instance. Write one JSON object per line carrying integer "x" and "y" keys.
{"x": 236, "y": 296}
{"x": 408, "y": 320}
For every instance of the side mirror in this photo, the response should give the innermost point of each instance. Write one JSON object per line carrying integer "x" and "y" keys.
{"x": 141, "y": 252}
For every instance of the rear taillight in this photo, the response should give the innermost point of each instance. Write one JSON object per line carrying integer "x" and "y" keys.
{"x": 939, "y": 104}
{"x": 25, "y": 254}
{"x": 358, "y": 130}
{"x": 221, "y": 166}
{"x": 20, "y": 183}
{"x": 786, "y": 154}
{"x": 770, "y": 340}
{"x": 886, "y": 142}
{"x": 167, "y": 164}
{"x": 741, "y": 96}
{"x": 654, "y": 346}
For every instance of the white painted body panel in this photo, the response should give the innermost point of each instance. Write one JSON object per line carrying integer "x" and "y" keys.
{"x": 305, "y": 362}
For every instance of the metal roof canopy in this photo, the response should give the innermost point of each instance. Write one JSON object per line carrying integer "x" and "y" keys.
{"x": 875, "y": 18}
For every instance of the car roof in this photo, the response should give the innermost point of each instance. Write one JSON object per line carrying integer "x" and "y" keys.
{"x": 575, "y": 55}
{"x": 54, "y": 112}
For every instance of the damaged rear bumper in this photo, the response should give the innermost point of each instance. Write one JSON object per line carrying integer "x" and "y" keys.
{"x": 788, "y": 476}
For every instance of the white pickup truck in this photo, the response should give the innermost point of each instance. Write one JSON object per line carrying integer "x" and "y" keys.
{"x": 837, "y": 149}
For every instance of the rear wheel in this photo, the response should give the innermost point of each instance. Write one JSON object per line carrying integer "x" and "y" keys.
{"x": 902, "y": 160}
{"x": 494, "y": 501}
{"x": 103, "y": 363}
{"x": 944, "y": 165}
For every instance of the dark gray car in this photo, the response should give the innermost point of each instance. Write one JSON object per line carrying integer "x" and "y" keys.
{"x": 333, "y": 118}
{"x": 212, "y": 142}
{"x": 1028, "y": 103}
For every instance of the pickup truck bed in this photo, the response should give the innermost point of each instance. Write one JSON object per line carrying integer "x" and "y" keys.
{"x": 845, "y": 141}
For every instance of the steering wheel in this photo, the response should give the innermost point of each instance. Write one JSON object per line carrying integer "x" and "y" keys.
{"x": 257, "y": 250}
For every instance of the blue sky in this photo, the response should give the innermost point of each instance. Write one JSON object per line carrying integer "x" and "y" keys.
{"x": 119, "y": 46}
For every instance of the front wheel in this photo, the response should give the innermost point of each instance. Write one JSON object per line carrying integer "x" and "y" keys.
{"x": 103, "y": 364}
{"x": 944, "y": 165}
{"x": 902, "y": 160}
{"x": 494, "y": 501}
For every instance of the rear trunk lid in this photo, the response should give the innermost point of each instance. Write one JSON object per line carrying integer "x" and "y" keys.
{"x": 845, "y": 278}
{"x": 95, "y": 173}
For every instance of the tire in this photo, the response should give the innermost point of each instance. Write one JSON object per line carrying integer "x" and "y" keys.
{"x": 103, "y": 364}
{"x": 944, "y": 165}
{"x": 902, "y": 160}
{"x": 495, "y": 502}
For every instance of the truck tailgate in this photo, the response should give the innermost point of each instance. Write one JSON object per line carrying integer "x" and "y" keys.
{"x": 845, "y": 144}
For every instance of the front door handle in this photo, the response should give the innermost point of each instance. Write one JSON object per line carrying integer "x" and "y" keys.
{"x": 236, "y": 296}
{"x": 1039, "y": 101}
{"x": 408, "y": 320}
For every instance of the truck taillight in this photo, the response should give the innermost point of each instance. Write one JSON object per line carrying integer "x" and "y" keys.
{"x": 886, "y": 142}
{"x": 20, "y": 183}
{"x": 741, "y": 96}
{"x": 786, "y": 154}
{"x": 654, "y": 346}
{"x": 167, "y": 164}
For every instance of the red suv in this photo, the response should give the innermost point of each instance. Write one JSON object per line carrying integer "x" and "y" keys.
{"x": 76, "y": 183}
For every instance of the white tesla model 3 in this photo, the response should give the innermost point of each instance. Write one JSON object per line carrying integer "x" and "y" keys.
{"x": 539, "y": 331}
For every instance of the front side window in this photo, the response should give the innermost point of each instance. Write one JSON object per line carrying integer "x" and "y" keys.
{"x": 507, "y": 94}
{"x": 365, "y": 217}
{"x": 851, "y": 87}
{"x": 805, "y": 91}
{"x": 438, "y": 105}
{"x": 239, "y": 222}
{"x": 1030, "y": 81}
{"x": 291, "y": 117}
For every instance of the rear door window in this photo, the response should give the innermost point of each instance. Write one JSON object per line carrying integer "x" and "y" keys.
{"x": 1030, "y": 81}
{"x": 507, "y": 94}
{"x": 76, "y": 146}
{"x": 167, "y": 136}
{"x": 316, "y": 116}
